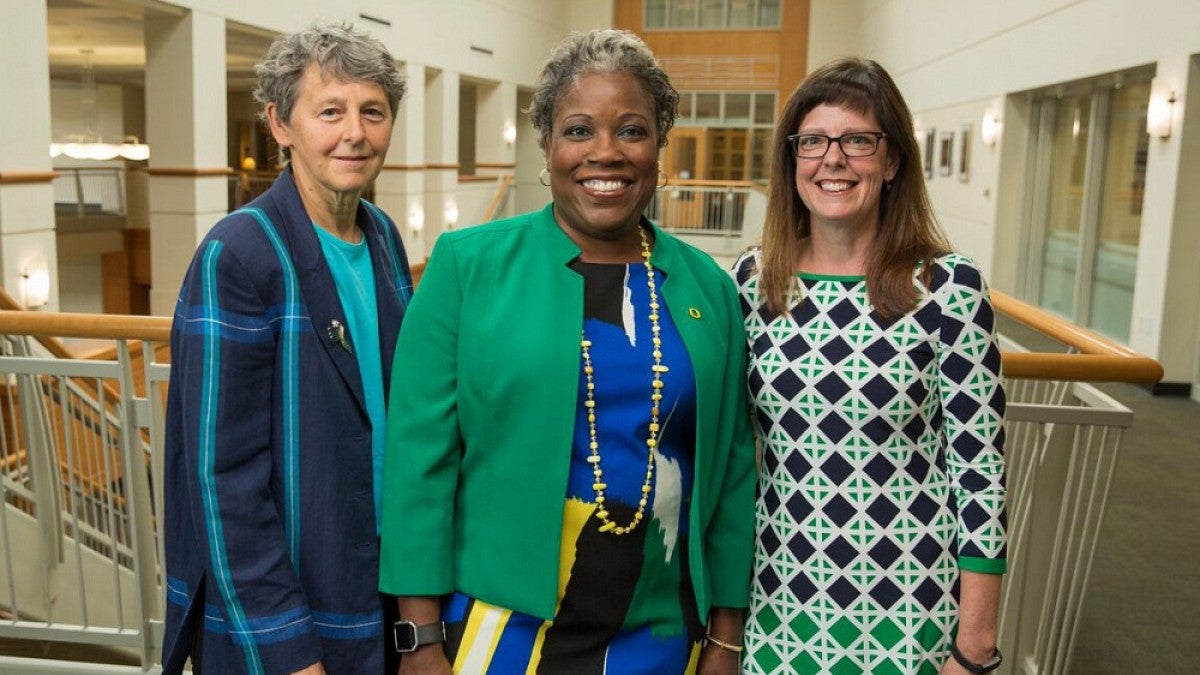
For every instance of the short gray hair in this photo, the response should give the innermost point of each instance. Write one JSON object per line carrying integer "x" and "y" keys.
{"x": 339, "y": 50}
{"x": 602, "y": 51}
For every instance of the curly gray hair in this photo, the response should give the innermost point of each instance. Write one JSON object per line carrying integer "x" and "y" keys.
{"x": 602, "y": 51}
{"x": 340, "y": 50}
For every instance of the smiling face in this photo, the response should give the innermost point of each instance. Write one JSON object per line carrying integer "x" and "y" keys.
{"x": 839, "y": 190}
{"x": 338, "y": 135}
{"x": 602, "y": 154}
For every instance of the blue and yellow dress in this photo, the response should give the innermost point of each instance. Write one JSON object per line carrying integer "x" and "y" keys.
{"x": 625, "y": 603}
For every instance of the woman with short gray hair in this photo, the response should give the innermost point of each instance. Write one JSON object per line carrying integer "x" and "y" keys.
{"x": 338, "y": 51}
{"x": 281, "y": 358}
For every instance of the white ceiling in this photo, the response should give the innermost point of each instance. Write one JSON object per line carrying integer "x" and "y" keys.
{"x": 114, "y": 31}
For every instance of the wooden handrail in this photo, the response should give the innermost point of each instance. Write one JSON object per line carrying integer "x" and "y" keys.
{"x": 1099, "y": 359}
{"x": 104, "y": 326}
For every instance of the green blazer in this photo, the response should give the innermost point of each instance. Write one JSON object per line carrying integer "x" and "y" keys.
{"x": 482, "y": 410}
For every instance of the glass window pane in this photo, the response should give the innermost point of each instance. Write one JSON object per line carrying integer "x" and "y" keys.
{"x": 1060, "y": 248}
{"x": 682, "y": 14}
{"x": 685, "y": 106}
{"x": 760, "y": 154}
{"x": 656, "y": 14}
{"x": 708, "y": 107}
{"x": 712, "y": 13}
{"x": 737, "y": 109}
{"x": 1115, "y": 262}
{"x": 768, "y": 13}
{"x": 764, "y": 108}
{"x": 741, "y": 13}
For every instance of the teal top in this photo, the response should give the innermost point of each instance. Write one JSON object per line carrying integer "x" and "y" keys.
{"x": 354, "y": 277}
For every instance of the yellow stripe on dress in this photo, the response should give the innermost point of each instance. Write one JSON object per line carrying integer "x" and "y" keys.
{"x": 535, "y": 658}
{"x": 484, "y": 627}
{"x": 693, "y": 659}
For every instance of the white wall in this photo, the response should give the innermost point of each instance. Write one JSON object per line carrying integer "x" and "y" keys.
{"x": 518, "y": 32}
{"x": 953, "y": 61}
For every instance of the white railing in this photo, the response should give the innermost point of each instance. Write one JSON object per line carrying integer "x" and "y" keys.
{"x": 80, "y": 555}
{"x": 721, "y": 218}
{"x": 83, "y": 194}
{"x": 1063, "y": 441}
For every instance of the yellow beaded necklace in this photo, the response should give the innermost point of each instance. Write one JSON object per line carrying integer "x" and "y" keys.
{"x": 655, "y": 398}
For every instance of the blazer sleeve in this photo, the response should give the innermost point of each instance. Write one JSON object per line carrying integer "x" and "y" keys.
{"x": 973, "y": 404}
{"x": 424, "y": 445}
{"x": 223, "y": 353}
{"x": 730, "y": 536}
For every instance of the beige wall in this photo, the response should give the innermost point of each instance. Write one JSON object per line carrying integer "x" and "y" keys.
{"x": 953, "y": 64}
{"x": 518, "y": 32}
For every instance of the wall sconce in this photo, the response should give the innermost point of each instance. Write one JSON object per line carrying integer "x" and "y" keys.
{"x": 1160, "y": 110}
{"x": 450, "y": 212}
{"x": 510, "y": 133}
{"x": 35, "y": 285}
{"x": 989, "y": 128}
{"x": 416, "y": 217}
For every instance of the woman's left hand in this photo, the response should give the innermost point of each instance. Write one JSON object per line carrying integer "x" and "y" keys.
{"x": 717, "y": 661}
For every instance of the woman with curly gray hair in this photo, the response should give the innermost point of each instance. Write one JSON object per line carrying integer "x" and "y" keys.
{"x": 569, "y": 485}
{"x": 281, "y": 353}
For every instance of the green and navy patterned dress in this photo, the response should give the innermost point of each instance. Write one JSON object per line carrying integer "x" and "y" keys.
{"x": 626, "y": 605}
{"x": 882, "y": 474}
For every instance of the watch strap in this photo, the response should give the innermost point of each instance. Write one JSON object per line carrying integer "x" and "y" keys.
{"x": 985, "y": 667}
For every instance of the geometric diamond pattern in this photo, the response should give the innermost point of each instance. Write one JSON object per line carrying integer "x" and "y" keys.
{"x": 882, "y": 467}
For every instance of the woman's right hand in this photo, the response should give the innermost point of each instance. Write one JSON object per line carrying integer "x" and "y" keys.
{"x": 426, "y": 660}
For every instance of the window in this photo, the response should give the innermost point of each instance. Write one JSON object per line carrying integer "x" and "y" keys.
{"x": 710, "y": 14}
{"x": 1084, "y": 200}
{"x": 727, "y": 135}
{"x": 737, "y": 109}
{"x": 708, "y": 108}
{"x": 727, "y": 109}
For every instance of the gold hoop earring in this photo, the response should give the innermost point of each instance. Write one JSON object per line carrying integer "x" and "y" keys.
{"x": 544, "y": 177}
{"x": 666, "y": 180}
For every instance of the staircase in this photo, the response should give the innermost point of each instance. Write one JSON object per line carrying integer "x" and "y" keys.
{"x": 79, "y": 552}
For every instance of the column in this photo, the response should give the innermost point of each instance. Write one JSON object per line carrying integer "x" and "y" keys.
{"x": 1165, "y": 324}
{"x": 496, "y": 137}
{"x": 186, "y": 130}
{"x": 400, "y": 187}
{"x": 28, "y": 254}
{"x": 441, "y": 153}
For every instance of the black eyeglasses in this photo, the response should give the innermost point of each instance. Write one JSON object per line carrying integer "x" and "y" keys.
{"x": 814, "y": 146}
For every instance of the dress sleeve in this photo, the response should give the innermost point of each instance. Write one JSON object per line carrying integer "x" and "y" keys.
{"x": 223, "y": 354}
{"x": 424, "y": 447}
{"x": 972, "y": 400}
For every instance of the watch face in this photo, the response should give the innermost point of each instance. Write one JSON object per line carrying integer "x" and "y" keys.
{"x": 406, "y": 636}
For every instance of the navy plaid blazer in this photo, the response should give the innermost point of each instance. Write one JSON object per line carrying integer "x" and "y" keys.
{"x": 269, "y": 523}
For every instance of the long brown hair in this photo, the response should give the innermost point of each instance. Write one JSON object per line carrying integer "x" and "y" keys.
{"x": 907, "y": 233}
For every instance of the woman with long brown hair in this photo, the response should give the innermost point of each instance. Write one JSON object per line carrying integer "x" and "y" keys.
{"x": 876, "y": 381}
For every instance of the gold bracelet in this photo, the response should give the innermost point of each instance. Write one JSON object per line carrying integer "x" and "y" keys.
{"x": 727, "y": 646}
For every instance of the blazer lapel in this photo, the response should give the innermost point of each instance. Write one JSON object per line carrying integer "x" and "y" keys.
{"x": 389, "y": 305}
{"x": 317, "y": 287}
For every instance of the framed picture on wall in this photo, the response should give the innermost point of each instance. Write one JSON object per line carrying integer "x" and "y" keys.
{"x": 964, "y": 154}
{"x": 927, "y": 142}
{"x": 945, "y": 152}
